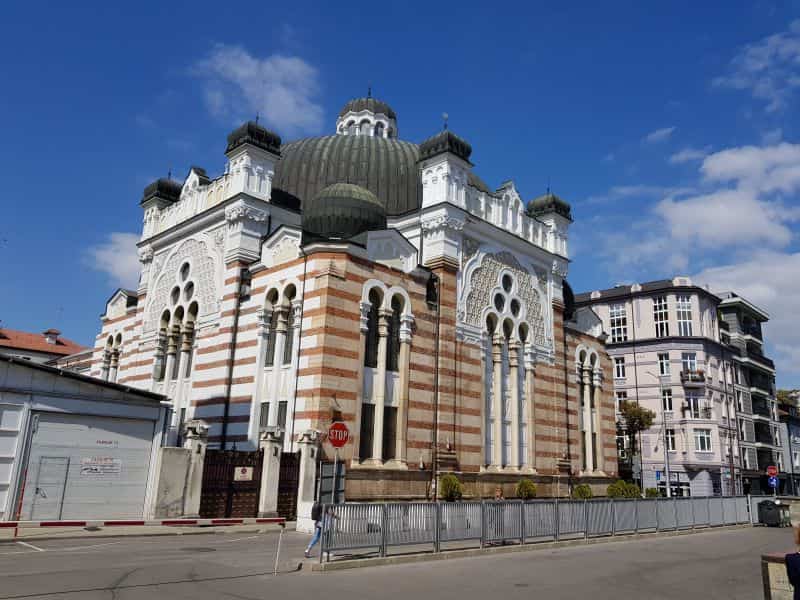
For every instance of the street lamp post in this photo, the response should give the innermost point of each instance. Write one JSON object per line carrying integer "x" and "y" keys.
{"x": 663, "y": 433}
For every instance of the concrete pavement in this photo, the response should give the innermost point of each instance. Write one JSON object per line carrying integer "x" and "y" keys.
{"x": 707, "y": 566}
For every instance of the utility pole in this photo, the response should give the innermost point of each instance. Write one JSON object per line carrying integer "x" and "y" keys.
{"x": 663, "y": 433}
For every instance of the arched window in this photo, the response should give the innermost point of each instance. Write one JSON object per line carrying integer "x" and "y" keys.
{"x": 379, "y": 130}
{"x": 177, "y": 332}
{"x": 272, "y": 299}
{"x": 364, "y": 127}
{"x": 351, "y": 127}
{"x": 371, "y": 349}
{"x": 161, "y": 350}
{"x": 393, "y": 341}
{"x": 288, "y": 346}
{"x": 190, "y": 332}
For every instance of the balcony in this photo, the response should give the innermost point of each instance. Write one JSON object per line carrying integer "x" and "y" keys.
{"x": 693, "y": 378}
{"x": 759, "y": 361}
{"x": 761, "y": 409}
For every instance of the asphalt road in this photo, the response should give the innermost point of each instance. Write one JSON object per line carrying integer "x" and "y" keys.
{"x": 716, "y": 564}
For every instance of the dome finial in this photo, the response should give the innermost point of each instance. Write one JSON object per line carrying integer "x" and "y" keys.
{"x": 369, "y": 91}
{"x": 445, "y": 116}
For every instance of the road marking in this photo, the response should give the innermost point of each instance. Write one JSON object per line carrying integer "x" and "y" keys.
{"x": 236, "y": 540}
{"x": 27, "y": 545}
{"x": 85, "y": 547}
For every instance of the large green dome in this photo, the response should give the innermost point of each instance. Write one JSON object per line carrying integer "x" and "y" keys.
{"x": 343, "y": 211}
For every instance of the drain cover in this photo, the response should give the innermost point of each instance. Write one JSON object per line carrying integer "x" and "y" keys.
{"x": 199, "y": 549}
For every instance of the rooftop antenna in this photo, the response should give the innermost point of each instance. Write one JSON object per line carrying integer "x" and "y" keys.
{"x": 548, "y": 185}
{"x": 169, "y": 173}
{"x": 369, "y": 91}
{"x": 257, "y": 115}
{"x": 445, "y": 116}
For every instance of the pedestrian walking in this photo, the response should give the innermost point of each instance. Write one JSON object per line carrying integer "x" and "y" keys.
{"x": 793, "y": 565}
{"x": 322, "y": 524}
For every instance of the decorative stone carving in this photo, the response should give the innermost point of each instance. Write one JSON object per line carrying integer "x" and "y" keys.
{"x": 442, "y": 222}
{"x": 237, "y": 213}
{"x": 468, "y": 249}
{"x": 364, "y": 320}
{"x": 203, "y": 273}
{"x": 145, "y": 254}
{"x": 406, "y": 327}
{"x": 559, "y": 268}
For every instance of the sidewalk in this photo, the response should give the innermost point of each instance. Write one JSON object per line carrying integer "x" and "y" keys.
{"x": 45, "y": 533}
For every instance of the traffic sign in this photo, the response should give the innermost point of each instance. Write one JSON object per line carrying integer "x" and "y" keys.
{"x": 338, "y": 434}
{"x": 772, "y": 470}
{"x": 773, "y": 481}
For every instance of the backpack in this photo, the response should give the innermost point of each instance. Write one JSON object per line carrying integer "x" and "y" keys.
{"x": 316, "y": 511}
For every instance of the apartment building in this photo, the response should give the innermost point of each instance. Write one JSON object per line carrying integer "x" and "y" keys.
{"x": 693, "y": 358}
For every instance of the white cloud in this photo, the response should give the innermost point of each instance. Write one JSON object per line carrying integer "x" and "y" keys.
{"x": 689, "y": 155}
{"x": 772, "y": 137}
{"x": 118, "y": 258}
{"x": 281, "y": 89}
{"x": 771, "y": 280}
{"x": 639, "y": 192}
{"x": 761, "y": 169}
{"x": 659, "y": 135}
{"x": 769, "y": 69}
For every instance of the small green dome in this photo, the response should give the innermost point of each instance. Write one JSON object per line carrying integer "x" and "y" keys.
{"x": 342, "y": 211}
{"x": 549, "y": 203}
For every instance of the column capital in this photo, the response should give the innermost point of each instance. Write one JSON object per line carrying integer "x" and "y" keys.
{"x": 406, "y": 327}
{"x": 513, "y": 354}
{"x": 297, "y": 309}
{"x": 364, "y": 307}
{"x": 283, "y": 313}
{"x": 384, "y": 316}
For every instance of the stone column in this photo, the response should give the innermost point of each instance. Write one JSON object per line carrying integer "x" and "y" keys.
{"x": 379, "y": 386}
{"x": 158, "y": 363}
{"x": 270, "y": 444}
{"x": 406, "y": 322}
{"x": 587, "y": 418}
{"x": 597, "y": 420}
{"x": 277, "y": 363}
{"x": 531, "y": 412}
{"x": 513, "y": 375}
{"x": 105, "y": 364}
{"x": 308, "y": 473}
{"x": 196, "y": 441}
{"x": 497, "y": 401}
{"x": 297, "y": 309}
{"x": 362, "y": 342}
{"x": 172, "y": 350}
{"x": 113, "y": 365}
{"x": 185, "y": 349}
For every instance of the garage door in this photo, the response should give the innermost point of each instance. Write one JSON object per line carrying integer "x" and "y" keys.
{"x": 86, "y": 467}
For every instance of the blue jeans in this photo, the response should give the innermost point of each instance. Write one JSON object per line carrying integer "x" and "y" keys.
{"x": 315, "y": 539}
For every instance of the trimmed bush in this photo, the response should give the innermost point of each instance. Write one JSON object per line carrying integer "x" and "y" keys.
{"x": 450, "y": 488}
{"x": 526, "y": 489}
{"x": 652, "y": 493}
{"x": 623, "y": 489}
{"x": 582, "y": 491}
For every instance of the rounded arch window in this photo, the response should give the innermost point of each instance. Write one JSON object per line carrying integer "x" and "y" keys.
{"x": 188, "y": 291}
{"x": 523, "y": 332}
{"x": 379, "y": 130}
{"x": 515, "y": 306}
{"x": 508, "y": 282}
{"x": 184, "y": 272}
{"x": 175, "y": 295}
{"x": 508, "y": 328}
{"x": 491, "y": 323}
{"x": 499, "y": 302}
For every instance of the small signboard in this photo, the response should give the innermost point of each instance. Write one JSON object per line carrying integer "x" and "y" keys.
{"x": 101, "y": 467}
{"x": 338, "y": 434}
{"x": 773, "y": 481}
{"x": 772, "y": 470}
{"x": 243, "y": 474}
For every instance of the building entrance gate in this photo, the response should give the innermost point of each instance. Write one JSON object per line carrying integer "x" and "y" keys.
{"x": 288, "y": 483}
{"x": 231, "y": 484}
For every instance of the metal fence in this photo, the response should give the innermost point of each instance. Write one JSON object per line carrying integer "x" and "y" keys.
{"x": 365, "y": 528}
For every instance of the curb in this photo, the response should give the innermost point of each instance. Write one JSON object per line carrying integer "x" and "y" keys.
{"x": 140, "y": 523}
{"x": 358, "y": 563}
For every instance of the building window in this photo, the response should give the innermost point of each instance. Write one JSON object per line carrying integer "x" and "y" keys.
{"x": 689, "y": 362}
{"x": 796, "y": 458}
{"x": 702, "y": 440}
{"x": 661, "y": 316}
{"x": 371, "y": 350}
{"x": 389, "y": 432}
{"x": 393, "y": 341}
{"x": 619, "y": 323}
{"x": 289, "y": 343}
{"x": 684, "y": 305}
{"x": 663, "y": 364}
{"x": 742, "y": 431}
{"x": 621, "y": 397}
{"x": 269, "y": 359}
{"x": 263, "y": 420}
{"x": 739, "y": 403}
{"x": 777, "y": 436}
{"x": 693, "y": 405}
{"x": 666, "y": 399}
{"x": 670, "y": 439}
{"x": 619, "y": 367}
{"x": 367, "y": 423}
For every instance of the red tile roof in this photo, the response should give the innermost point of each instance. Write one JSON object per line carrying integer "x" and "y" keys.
{"x": 36, "y": 342}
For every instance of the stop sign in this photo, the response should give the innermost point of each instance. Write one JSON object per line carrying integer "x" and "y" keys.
{"x": 338, "y": 434}
{"x": 772, "y": 470}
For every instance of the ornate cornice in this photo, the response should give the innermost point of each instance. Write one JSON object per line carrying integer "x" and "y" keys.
{"x": 443, "y": 222}
{"x": 242, "y": 212}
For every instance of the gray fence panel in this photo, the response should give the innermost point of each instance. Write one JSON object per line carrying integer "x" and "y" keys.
{"x": 540, "y": 519}
{"x": 683, "y": 506}
{"x": 503, "y": 521}
{"x": 701, "y": 516}
{"x": 625, "y": 516}
{"x": 666, "y": 514}
{"x": 730, "y": 510}
{"x": 571, "y": 517}
{"x": 601, "y": 517}
{"x": 460, "y": 521}
{"x": 742, "y": 515}
{"x": 647, "y": 513}
{"x": 410, "y": 523}
{"x": 715, "y": 512}
{"x": 357, "y": 526}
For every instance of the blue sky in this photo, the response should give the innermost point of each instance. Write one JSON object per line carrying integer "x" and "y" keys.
{"x": 671, "y": 130}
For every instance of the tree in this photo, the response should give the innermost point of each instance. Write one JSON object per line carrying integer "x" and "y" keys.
{"x": 633, "y": 420}
{"x": 450, "y": 488}
{"x": 526, "y": 489}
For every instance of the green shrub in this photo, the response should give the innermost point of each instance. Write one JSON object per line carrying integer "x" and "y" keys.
{"x": 623, "y": 489}
{"x": 652, "y": 493}
{"x": 526, "y": 489}
{"x": 582, "y": 491}
{"x": 450, "y": 488}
